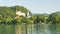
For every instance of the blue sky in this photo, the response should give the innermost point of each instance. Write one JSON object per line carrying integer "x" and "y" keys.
{"x": 35, "y": 6}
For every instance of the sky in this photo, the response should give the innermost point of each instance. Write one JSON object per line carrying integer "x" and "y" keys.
{"x": 35, "y": 6}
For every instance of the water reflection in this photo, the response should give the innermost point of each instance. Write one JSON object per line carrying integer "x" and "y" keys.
{"x": 53, "y": 29}
{"x": 7, "y": 29}
{"x": 42, "y": 29}
{"x": 29, "y": 29}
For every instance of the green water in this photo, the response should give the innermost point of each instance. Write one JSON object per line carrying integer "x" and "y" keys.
{"x": 30, "y": 29}
{"x": 7, "y": 29}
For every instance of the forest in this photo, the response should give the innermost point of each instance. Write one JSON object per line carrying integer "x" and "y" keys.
{"x": 7, "y": 16}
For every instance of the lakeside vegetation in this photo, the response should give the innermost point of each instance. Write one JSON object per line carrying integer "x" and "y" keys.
{"x": 7, "y": 16}
{"x": 15, "y": 26}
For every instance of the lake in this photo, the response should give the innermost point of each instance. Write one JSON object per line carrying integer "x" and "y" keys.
{"x": 30, "y": 29}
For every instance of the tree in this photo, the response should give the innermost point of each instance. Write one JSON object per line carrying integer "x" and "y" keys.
{"x": 54, "y": 17}
{"x": 40, "y": 18}
{"x": 7, "y": 14}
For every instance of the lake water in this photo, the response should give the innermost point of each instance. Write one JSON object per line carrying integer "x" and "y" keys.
{"x": 30, "y": 29}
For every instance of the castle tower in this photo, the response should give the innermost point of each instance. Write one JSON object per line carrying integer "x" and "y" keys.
{"x": 28, "y": 15}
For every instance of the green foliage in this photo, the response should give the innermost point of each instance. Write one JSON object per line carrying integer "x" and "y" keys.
{"x": 19, "y": 20}
{"x": 26, "y": 20}
{"x": 7, "y": 14}
{"x": 55, "y": 17}
{"x": 21, "y": 8}
{"x": 9, "y": 19}
{"x": 40, "y": 18}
